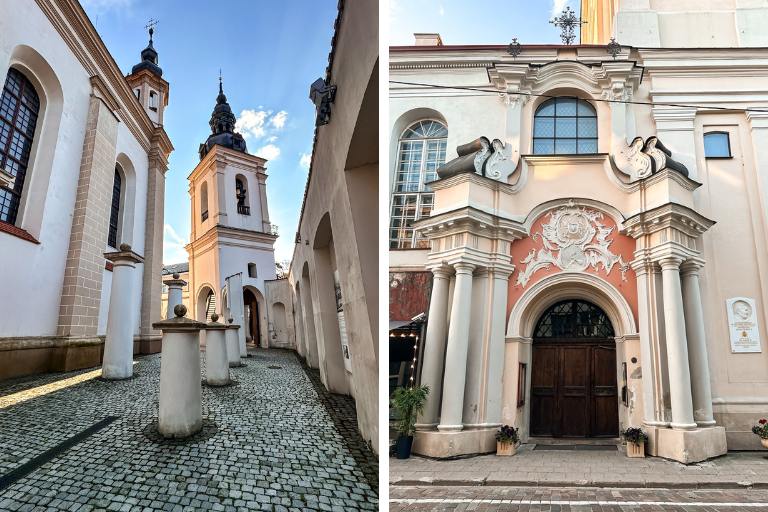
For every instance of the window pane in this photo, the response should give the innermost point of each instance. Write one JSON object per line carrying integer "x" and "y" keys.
{"x": 716, "y": 144}
{"x": 543, "y": 146}
{"x": 587, "y": 127}
{"x": 585, "y": 109}
{"x": 587, "y": 146}
{"x": 565, "y": 146}
{"x": 544, "y": 127}
{"x": 546, "y": 109}
{"x": 565, "y": 127}
{"x": 566, "y": 107}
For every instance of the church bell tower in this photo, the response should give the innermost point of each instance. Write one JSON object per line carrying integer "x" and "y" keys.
{"x": 146, "y": 81}
{"x": 231, "y": 249}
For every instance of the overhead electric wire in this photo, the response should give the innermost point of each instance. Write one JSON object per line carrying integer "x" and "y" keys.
{"x": 629, "y": 102}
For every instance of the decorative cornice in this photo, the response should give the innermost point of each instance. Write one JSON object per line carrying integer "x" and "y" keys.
{"x": 670, "y": 215}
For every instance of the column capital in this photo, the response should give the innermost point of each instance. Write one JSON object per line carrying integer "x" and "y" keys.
{"x": 691, "y": 266}
{"x": 442, "y": 272}
{"x": 671, "y": 262}
{"x": 641, "y": 266}
{"x": 124, "y": 256}
{"x": 464, "y": 268}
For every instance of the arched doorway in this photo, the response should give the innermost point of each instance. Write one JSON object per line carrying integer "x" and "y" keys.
{"x": 574, "y": 390}
{"x": 252, "y": 317}
{"x": 206, "y": 304}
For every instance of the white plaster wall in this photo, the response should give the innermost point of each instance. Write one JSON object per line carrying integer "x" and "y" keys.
{"x": 36, "y": 272}
{"x": 234, "y": 219}
{"x": 236, "y": 259}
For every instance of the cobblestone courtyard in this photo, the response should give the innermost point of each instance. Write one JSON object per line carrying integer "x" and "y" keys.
{"x": 275, "y": 441}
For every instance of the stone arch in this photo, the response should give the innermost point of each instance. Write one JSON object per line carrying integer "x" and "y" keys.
{"x": 308, "y": 311}
{"x": 255, "y": 316}
{"x": 127, "y": 215}
{"x": 279, "y": 322}
{"x": 325, "y": 298}
{"x": 242, "y": 194}
{"x": 569, "y": 285}
{"x": 298, "y": 322}
{"x": 205, "y": 294}
{"x": 39, "y": 72}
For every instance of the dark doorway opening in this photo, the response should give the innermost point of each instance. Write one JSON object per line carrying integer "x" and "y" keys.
{"x": 574, "y": 391}
{"x": 252, "y": 314}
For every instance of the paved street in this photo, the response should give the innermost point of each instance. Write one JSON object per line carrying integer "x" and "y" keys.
{"x": 611, "y": 468}
{"x": 562, "y": 499}
{"x": 276, "y": 441}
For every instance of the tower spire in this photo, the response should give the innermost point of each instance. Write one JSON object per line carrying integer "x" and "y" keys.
{"x": 149, "y": 54}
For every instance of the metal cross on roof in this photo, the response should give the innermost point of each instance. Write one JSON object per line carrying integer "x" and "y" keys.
{"x": 151, "y": 26}
{"x": 567, "y": 21}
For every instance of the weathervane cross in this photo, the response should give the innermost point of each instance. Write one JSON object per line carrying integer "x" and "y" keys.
{"x": 567, "y": 21}
{"x": 151, "y": 26}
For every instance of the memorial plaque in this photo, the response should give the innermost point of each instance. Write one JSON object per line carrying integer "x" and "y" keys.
{"x": 742, "y": 324}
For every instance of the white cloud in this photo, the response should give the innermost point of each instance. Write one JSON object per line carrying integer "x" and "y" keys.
{"x": 173, "y": 246}
{"x": 273, "y": 138}
{"x": 251, "y": 123}
{"x": 305, "y": 160}
{"x": 270, "y": 152}
{"x": 558, "y": 6}
{"x": 441, "y": 10}
{"x": 278, "y": 120}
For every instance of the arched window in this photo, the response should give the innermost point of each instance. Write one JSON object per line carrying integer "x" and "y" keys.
{"x": 252, "y": 272}
{"x": 114, "y": 214}
{"x": 19, "y": 108}
{"x": 203, "y": 202}
{"x": 565, "y": 126}
{"x": 574, "y": 319}
{"x": 421, "y": 151}
{"x": 241, "y": 193}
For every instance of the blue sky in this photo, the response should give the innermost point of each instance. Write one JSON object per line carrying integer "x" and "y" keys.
{"x": 477, "y": 21}
{"x": 269, "y": 53}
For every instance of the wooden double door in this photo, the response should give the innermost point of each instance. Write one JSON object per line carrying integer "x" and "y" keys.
{"x": 574, "y": 388}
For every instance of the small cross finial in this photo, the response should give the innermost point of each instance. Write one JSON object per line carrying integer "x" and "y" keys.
{"x": 567, "y": 21}
{"x": 150, "y": 26}
{"x": 221, "y": 88}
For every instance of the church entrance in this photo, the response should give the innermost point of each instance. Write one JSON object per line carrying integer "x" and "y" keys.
{"x": 252, "y": 317}
{"x": 573, "y": 373}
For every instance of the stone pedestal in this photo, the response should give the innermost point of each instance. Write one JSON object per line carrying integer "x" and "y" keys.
{"x": 233, "y": 344}
{"x": 687, "y": 446}
{"x": 440, "y": 445}
{"x": 175, "y": 287}
{"x": 118, "y": 346}
{"x": 216, "y": 360}
{"x": 181, "y": 412}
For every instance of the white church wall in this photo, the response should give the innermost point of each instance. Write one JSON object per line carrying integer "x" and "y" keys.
{"x": 23, "y": 24}
{"x": 235, "y": 219}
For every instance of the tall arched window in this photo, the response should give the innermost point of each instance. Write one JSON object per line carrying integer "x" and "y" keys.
{"x": 421, "y": 151}
{"x": 565, "y": 126}
{"x": 241, "y": 193}
{"x": 19, "y": 108}
{"x": 203, "y": 202}
{"x": 114, "y": 214}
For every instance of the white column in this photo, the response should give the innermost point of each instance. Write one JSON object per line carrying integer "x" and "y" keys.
{"x": 118, "y": 346}
{"x": 216, "y": 362}
{"x": 651, "y": 415}
{"x": 496, "y": 345}
{"x": 434, "y": 346}
{"x": 677, "y": 346}
{"x": 233, "y": 346}
{"x": 456, "y": 353}
{"x": 180, "y": 401}
{"x": 697, "y": 345}
{"x": 175, "y": 287}
{"x": 237, "y": 309}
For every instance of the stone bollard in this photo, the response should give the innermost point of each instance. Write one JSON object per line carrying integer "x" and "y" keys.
{"x": 181, "y": 411}
{"x": 216, "y": 361}
{"x": 118, "y": 345}
{"x": 233, "y": 345}
{"x": 175, "y": 287}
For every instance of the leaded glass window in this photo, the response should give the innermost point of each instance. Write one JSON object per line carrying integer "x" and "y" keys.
{"x": 19, "y": 108}
{"x": 114, "y": 214}
{"x": 574, "y": 319}
{"x": 421, "y": 151}
{"x": 565, "y": 126}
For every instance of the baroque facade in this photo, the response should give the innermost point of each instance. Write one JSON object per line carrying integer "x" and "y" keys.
{"x": 595, "y": 229}
{"x": 332, "y": 277}
{"x": 83, "y": 155}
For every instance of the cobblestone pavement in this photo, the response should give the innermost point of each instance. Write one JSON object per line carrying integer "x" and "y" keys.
{"x": 270, "y": 443}
{"x": 583, "y": 468}
{"x": 562, "y": 499}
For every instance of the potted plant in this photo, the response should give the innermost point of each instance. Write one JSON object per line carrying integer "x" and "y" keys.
{"x": 506, "y": 441}
{"x": 761, "y": 429}
{"x": 635, "y": 438}
{"x": 408, "y": 404}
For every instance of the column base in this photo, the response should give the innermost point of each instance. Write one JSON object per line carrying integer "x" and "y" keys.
{"x": 450, "y": 428}
{"x": 687, "y": 446}
{"x": 442, "y": 445}
{"x": 426, "y": 426}
{"x": 706, "y": 423}
{"x": 682, "y": 426}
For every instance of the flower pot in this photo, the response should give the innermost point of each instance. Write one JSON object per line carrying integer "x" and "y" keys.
{"x": 764, "y": 442}
{"x": 636, "y": 449}
{"x": 505, "y": 449}
{"x": 403, "y": 447}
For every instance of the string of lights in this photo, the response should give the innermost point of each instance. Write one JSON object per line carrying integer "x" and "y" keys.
{"x": 604, "y": 100}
